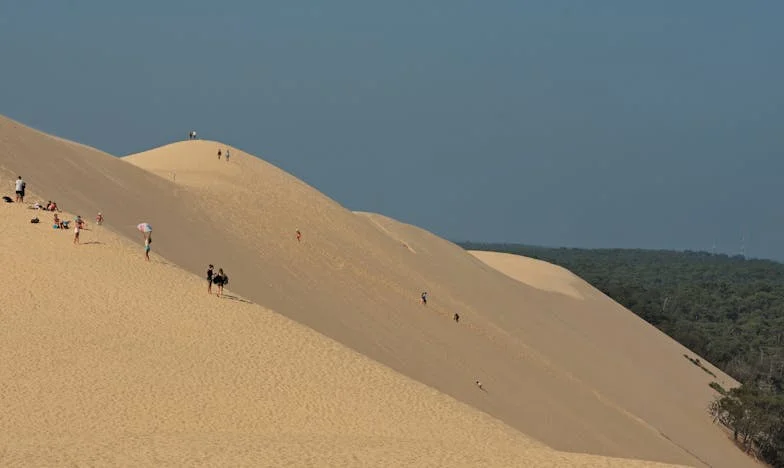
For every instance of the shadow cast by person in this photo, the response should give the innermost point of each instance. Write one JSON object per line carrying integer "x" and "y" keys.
{"x": 235, "y": 298}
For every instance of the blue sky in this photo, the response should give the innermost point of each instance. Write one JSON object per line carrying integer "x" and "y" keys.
{"x": 564, "y": 123}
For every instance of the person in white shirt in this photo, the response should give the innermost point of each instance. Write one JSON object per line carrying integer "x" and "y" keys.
{"x": 20, "y": 190}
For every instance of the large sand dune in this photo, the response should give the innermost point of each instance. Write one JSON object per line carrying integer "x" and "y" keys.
{"x": 577, "y": 372}
{"x": 109, "y": 360}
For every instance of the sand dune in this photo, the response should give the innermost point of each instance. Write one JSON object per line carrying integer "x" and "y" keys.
{"x": 110, "y": 360}
{"x": 581, "y": 375}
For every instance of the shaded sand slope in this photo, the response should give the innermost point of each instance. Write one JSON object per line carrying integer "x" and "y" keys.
{"x": 593, "y": 342}
{"x": 107, "y": 360}
{"x": 357, "y": 279}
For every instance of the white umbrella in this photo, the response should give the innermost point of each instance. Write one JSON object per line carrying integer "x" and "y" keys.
{"x": 144, "y": 227}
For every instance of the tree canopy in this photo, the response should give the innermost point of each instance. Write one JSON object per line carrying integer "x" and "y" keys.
{"x": 728, "y": 309}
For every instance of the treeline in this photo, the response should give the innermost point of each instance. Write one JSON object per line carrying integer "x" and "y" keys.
{"x": 728, "y": 309}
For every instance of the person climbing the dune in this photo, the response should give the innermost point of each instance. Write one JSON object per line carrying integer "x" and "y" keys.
{"x": 424, "y": 298}
{"x": 456, "y": 317}
{"x": 299, "y": 236}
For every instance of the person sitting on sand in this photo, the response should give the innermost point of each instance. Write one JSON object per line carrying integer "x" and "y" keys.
{"x": 58, "y": 223}
{"x": 479, "y": 384}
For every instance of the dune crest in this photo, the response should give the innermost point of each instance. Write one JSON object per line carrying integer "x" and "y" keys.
{"x": 535, "y": 273}
{"x": 581, "y": 376}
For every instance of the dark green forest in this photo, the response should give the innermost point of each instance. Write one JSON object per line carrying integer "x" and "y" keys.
{"x": 727, "y": 309}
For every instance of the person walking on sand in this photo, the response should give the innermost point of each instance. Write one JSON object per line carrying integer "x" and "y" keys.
{"x": 228, "y": 155}
{"x": 78, "y": 226}
{"x": 20, "y": 189}
{"x": 99, "y": 219}
{"x": 210, "y": 274}
{"x": 456, "y": 317}
{"x": 220, "y": 280}
{"x": 147, "y": 248}
{"x": 219, "y": 153}
{"x": 299, "y": 236}
{"x": 424, "y": 298}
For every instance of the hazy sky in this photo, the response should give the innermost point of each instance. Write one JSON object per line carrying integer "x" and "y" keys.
{"x": 620, "y": 123}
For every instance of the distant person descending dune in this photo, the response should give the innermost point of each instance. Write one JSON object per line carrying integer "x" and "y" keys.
{"x": 299, "y": 236}
{"x": 424, "y": 298}
{"x": 219, "y": 153}
{"x": 456, "y": 317}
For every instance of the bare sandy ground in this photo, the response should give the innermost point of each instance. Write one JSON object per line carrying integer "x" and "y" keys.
{"x": 108, "y": 360}
{"x": 581, "y": 375}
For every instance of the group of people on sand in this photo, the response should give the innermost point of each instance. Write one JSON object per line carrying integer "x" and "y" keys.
{"x": 228, "y": 154}
{"x": 220, "y": 279}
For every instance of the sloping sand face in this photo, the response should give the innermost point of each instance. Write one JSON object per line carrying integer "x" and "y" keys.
{"x": 623, "y": 390}
{"x": 109, "y": 360}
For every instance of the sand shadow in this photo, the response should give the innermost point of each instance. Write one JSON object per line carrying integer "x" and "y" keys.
{"x": 235, "y": 298}
{"x": 92, "y": 243}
